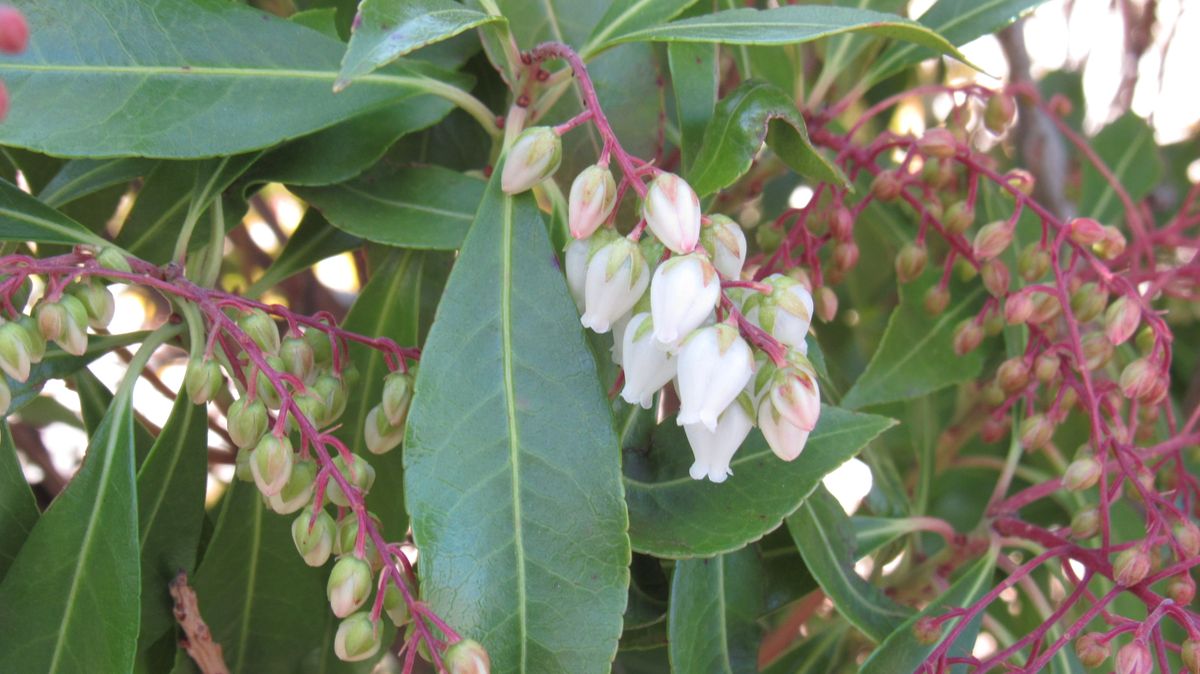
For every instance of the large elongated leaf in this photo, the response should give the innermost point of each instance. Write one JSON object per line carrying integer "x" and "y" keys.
{"x": 737, "y": 130}
{"x": 959, "y": 21}
{"x": 511, "y": 460}
{"x": 916, "y": 355}
{"x": 715, "y": 605}
{"x": 694, "y": 81}
{"x": 171, "y": 484}
{"x": 1127, "y": 148}
{"x": 826, "y": 541}
{"x": 672, "y": 515}
{"x": 814, "y": 655}
{"x": 18, "y": 510}
{"x": 427, "y": 207}
{"x": 81, "y": 177}
{"x": 179, "y": 78}
{"x": 70, "y": 601}
{"x": 625, "y": 16}
{"x": 389, "y": 29}
{"x": 24, "y": 218}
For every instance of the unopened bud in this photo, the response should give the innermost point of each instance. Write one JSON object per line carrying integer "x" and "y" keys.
{"x": 310, "y": 407}
{"x": 264, "y": 389}
{"x": 1088, "y": 302}
{"x": 332, "y": 393}
{"x": 1141, "y": 380}
{"x": 1085, "y": 231}
{"x": 1082, "y": 474}
{"x": 298, "y": 358}
{"x": 298, "y": 490}
{"x": 1020, "y": 180}
{"x": 992, "y": 239}
{"x": 467, "y": 657}
{"x": 1131, "y": 566}
{"x": 886, "y": 186}
{"x": 1182, "y": 589}
{"x": 357, "y": 472}
{"x": 261, "y": 329}
{"x": 397, "y": 395}
{"x": 316, "y": 542}
{"x": 271, "y": 464}
{"x": 1121, "y": 320}
{"x": 967, "y": 337}
{"x": 349, "y": 585}
{"x": 725, "y": 243}
{"x": 379, "y": 433}
{"x": 993, "y": 323}
{"x": 927, "y": 631}
{"x": 999, "y": 114}
{"x": 111, "y": 258}
{"x": 1097, "y": 351}
{"x": 1113, "y": 244}
{"x": 845, "y": 255}
{"x": 841, "y": 223}
{"x": 65, "y": 323}
{"x": 395, "y": 607}
{"x": 1187, "y": 534}
{"x": 994, "y": 429}
{"x": 1035, "y": 432}
{"x": 36, "y": 343}
{"x": 1013, "y": 375}
{"x": 1046, "y": 307}
{"x": 345, "y": 541}
{"x": 321, "y": 346}
{"x": 939, "y": 143}
{"x": 825, "y": 303}
{"x": 1189, "y": 652}
{"x": 910, "y": 262}
{"x": 1145, "y": 339}
{"x": 672, "y": 211}
{"x": 97, "y": 301}
{"x": 534, "y": 156}
{"x": 1018, "y": 308}
{"x": 617, "y": 276}
{"x": 14, "y": 351}
{"x": 993, "y": 395}
{"x": 357, "y": 638}
{"x": 14, "y": 30}
{"x": 1091, "y": 650}
{"x": 959, "y": 217}
{"x": 1134, "y": 658}
{"x": 247, "y": 421}
{"x": 1033, "y": 262}
{"x": 936, "y": 300}
{"x": 593, "y": 196}
{"x": 996, "y": 277}
{"x": 795, "y": 395}
{"x": 203, "y": 380}
{"x": 1085, "y": 524}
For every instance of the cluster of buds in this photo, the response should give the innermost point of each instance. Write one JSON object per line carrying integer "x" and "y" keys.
{"x": 663, "y": 299}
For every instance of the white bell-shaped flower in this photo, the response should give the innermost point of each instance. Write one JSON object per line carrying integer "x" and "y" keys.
{"x": 575, "y": 261}
{"x": 617, "y": 275}
{"x": 647, "y": 366}
{"x": 713, "y": 450}
{"x": 785, "y": 313}
{"x": 672, "y": 210}
{"x": 725, "y": 243}
{"x": 683, "y": 293}
{"x": 534, "y": 156}
{"x": 715, "y": 364}
{"x": 785, "y": 438}
{"x": 593, "y": 196}
{"x": 617, "y": 350}
{"x": 795, "y": 394}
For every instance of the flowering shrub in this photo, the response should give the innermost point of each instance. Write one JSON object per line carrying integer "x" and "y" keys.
{"x": 635, "y": 278}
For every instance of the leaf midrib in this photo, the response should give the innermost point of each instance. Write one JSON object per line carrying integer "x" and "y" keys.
{"x": 80, "y": 235}
{"x": 458, "y": 215}
{"x": 248, "y": 604}
{"x": 219, "y": 71}
{"x": 160, "y": 498}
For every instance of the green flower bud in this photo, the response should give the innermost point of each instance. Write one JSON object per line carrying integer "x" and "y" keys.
{"x": 65, "y": 323}
{"x": 380, "y": 435}
{"x": 247, "y": 421}
{"x": 1188, "y": 536}
{"x": 262, "y": 329}
{"x": 1088, "y": 302}
{"x": 312, "y": 407}
{"x": 332, "y": 393}
{"x": 1131, "y": 566}
{"x": 242, "y": 464}
{"x": 5, "y": 398}
{"x": 298, "y": 490}
{"x": 999, "y": 114}
{"x": 959, "y": 217}
{"x": 349, "y": 585}
{"x": 1085, "y": 524}
{"x": 97, "y": 301}
{"x": 346, "y": 539}
{"x": 357, "y": 638}
{"x": 36, "y": 343}
{"x": 534, "y": 156}
{"x": 204, "y": 380}
{"x": 1035, "y": 432}
{"x": 397, "y": 394}
{"x": 271, "y": 464}
{"x": 263, "y": 387}
{"x": 1091, "y": 650}
{"x": 357, "y": 472}
{"x": 1033, "y": 262}
{"x": 322, "y": 348}
{"x": 395, "y": 606}
{"x": 911, "y": 262}
{"x": 14, "y": 351}
{"x": 467, "y": 657}
{"x": 111, "y": 258}
{"x": 1082, "y": 474}
{"x": 1190, "y": 654}
{"x": 298, "y": 358}
{"x": 51, "y": 319}
{"x": 314, "y": 544}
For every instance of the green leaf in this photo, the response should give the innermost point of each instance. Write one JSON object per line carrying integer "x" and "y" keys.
{"x": 826, "y": 541}
{"x": 261, "y": 602}
{"x": 1127, "y": 148}
{"x": 674, "y": 516}
{"x": 916, "y": 355}
{"x": 814, "y": 655}
{"x": 58, "y": 364}
{"x": 427, "y": 207}
{"x": 94, "y": 401}
{"x": 314, "y": 240}
{"x": 694, "y": 81}
{"x": 626, "y": 16}
{"x": 388, "y": 306}
{"x": 737, "y": 130}
{"x": 171, "y": 485}
{"x": 70, "y": 601}
{"x": 18, "y": 509}
{"x": 81, "y": 177}
{"x": 180, "y": 79}
{"x": 715, "y": 604}
{"x": 959, "y": 22}
{"x": 388, "y": 29}
{"x": 791, "y": 25}
{"x": 901, "y": 652}
{"x": 24, "y": 218}
{"x": 511, "y": 460}
{"x": 872, "y": 533}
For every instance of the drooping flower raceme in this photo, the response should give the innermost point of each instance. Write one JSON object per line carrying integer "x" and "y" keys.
{"x": 713, "y": 450}
{"x": 715, "y": 364}
{"x": 683, "y": 293}
{"x": 672, "y": 211}
{"x": 617, "y": 275}
{"x": 648, "y": 367}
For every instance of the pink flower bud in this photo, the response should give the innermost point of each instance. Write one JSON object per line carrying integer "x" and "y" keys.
{"x": 826, "y": 302}
{"x": 466, "y": 657}
{"x": 714, "y": 365}
{"x": 1182, "y": 589}
{"x": 1085, "y": 231}
{"x": 1131, "y": 566}
{"x": 795, "y": 394}
{"x": 1140, "y": 380}
{"x": 1113, "y": 244}
{"x": 533, "y": 157}
{"x": 1035, "y": 432}
{"x": 617, "y": 275}
{"x": 672, "y": 211}
{"x": 910, "y": 262}
{"x": 939, "y": 143}
{"x": 967, "y": 337}
{"x": 992, "y": 239}
{"x": 1187, "y": 534}
{"x": 1121, "y": 320}
{"x": 714, "y": 449}
{"x": 725, "y": 243}
{"x": 683, "y": 294}
{"x": 1088, "y": 302}
{"x": 845, "y": 255}
{"x": 841, "y": 223}
{"x": 648, "y": 366}
{"x": 995, "y": 277}
{"x": 14, "y": 30}
{"x": 1082, "y": 474}
{"x": 1013, "y": 375}
{"x": 1020, "y": 180}
{"x": 357, "y": 638}
{"x": 593, "y": 196}
{"x": 927, "y": 631}
{"x": 887, "y": 185}
{"x": 994, "y": 429}
{"x": 958, "y": 218}
{"x": 1046, "y": 307}
{"x": 316, "y": 542}
{"x": 1134, "y": 658}
{"x": 1091, "y": 650}
{"x": 784, "y": 438}
{"x": 936, "y": 300}
{"x": 1018, "y": 308}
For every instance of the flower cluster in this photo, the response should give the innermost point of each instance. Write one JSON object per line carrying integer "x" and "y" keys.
{"x": 679, "y": 310}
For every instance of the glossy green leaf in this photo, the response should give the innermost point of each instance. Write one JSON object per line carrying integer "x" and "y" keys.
{"x": 694, "y": 81}
{"x": 427, "y": 207}
{"x": 171, "y": 485}
{"x": 37, "y": 168}
{"x": 261, "y": 602}
{"x": 916, "y": 355}
{"x": 1127, "y": 148}
{"x": 70, "y": 601}
{"x": 314, "y": 240}
{"x": 385, "y": 30}
{"x": 179, "y": 79}
{"x": 24, "y": 218}
{"x": 388, "y": 306}
{"x": 715, "y": 605}
{"x": 81, "y": 177}
{"x": 791, "y": 24}
{"x": 959, "y": 22}
{"x": 901, "y": 652}
{"x": 674, "y": 516}
{"x": 737, "y": 130}
{"x": 826, "y": 541}
{"x": 813, "y": 655}
{"x": 626, "y": 16}
{"x": 58, "y": 364}
{"x": 18, "y": 509}
{"x": 521, "y": 528}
